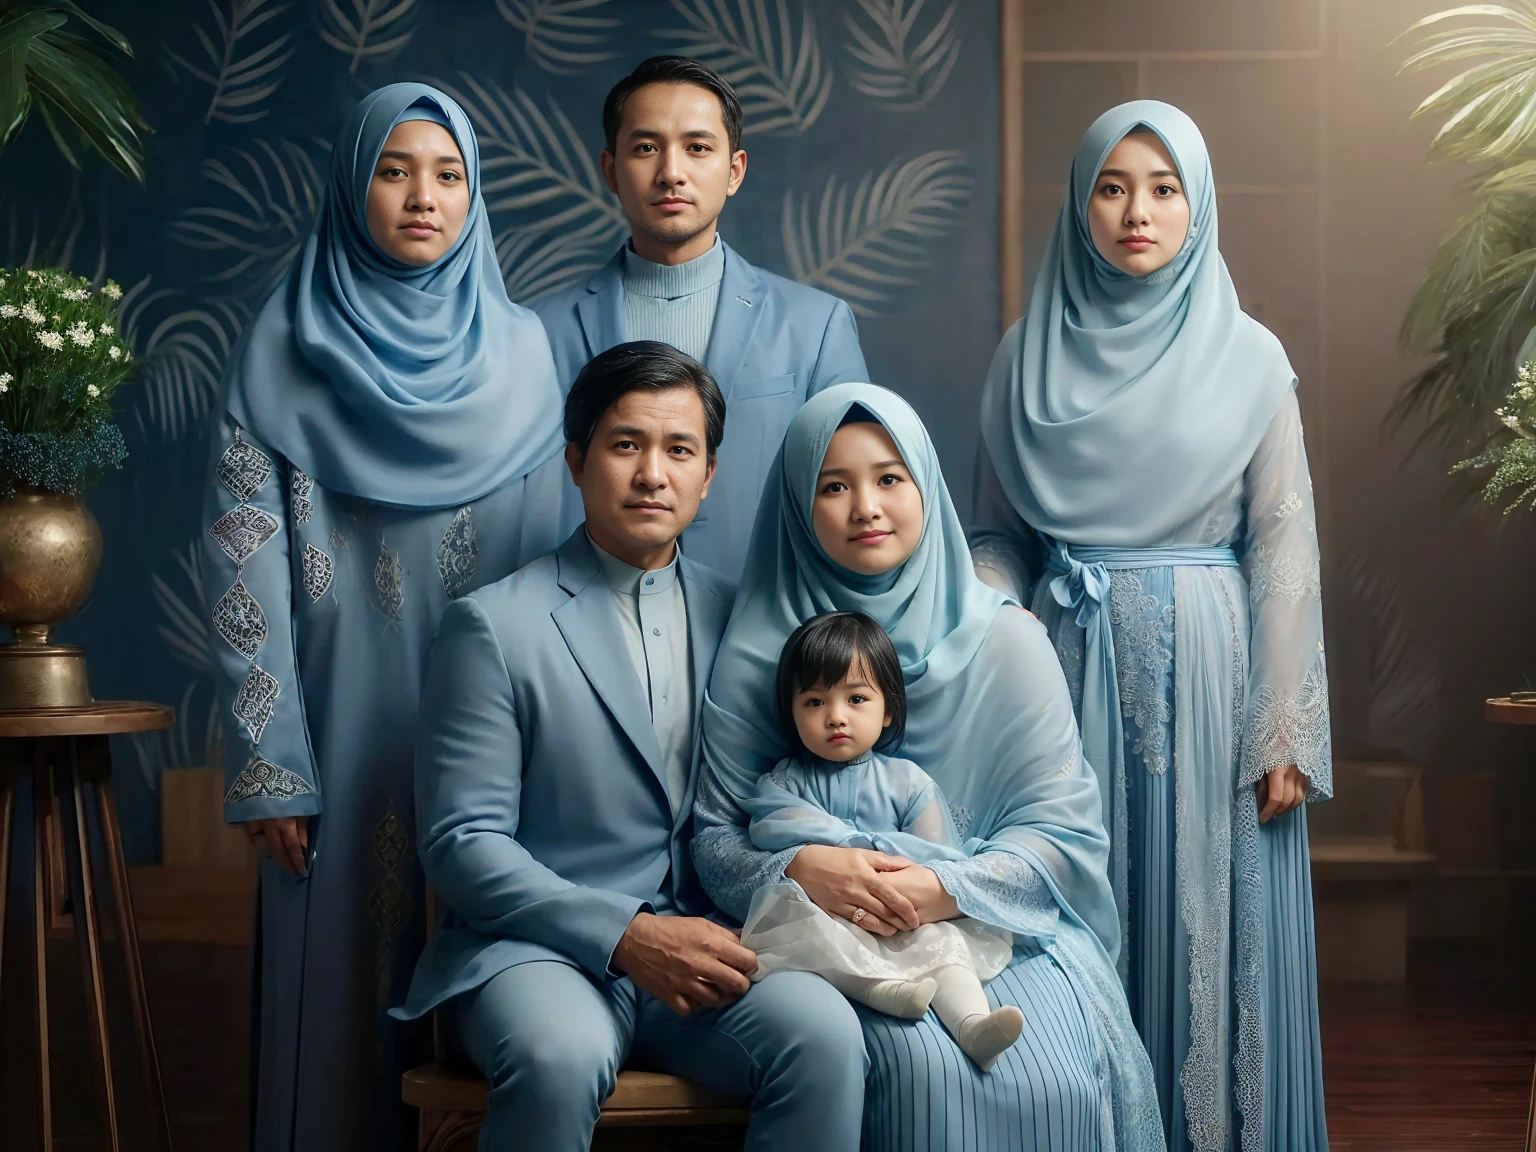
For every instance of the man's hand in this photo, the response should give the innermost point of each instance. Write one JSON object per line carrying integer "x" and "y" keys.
{"x": 841, "y": 881}
{"x": 284, "y": 838}
{"x": 686, "y": 962}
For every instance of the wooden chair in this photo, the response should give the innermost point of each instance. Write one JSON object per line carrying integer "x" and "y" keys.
{"x": 450, "y": 1097}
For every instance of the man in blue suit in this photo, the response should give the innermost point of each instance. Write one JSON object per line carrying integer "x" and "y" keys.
{"x": 673, "y": 157}
{"x": 554, "y": 789}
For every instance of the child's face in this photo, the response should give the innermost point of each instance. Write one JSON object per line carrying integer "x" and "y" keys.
{"x": 842, "y": 722}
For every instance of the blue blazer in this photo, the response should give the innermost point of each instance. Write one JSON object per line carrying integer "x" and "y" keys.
{"x": 774, "y": 344}
{"x": 542, "y": 812}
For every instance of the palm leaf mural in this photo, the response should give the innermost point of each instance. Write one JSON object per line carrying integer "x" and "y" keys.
{"x": 181, "y": 358}
{"x": 272, "y": 194}
{"x": 538, "y": 264}
{"x": 776, "y": 70}
{"x": 159, "y": 752}
{"x": 896, "y": 64}
{"x": 864, "y": 241}
{"x": 367, "y": 31}
{"x": 561, "y": 36}
{"x": 534, "y": 163}
{"x": 185, "y": 629}
{"x": 33, "y": 244}
{"x": 242, "y": 69}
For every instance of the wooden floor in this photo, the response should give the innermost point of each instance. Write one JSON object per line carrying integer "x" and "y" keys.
{"x": 1443, "y": 1063}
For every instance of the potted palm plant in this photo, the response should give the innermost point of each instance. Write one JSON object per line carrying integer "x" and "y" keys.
{"x": 1472, "y": 314}
{"x": 45, "y": 64}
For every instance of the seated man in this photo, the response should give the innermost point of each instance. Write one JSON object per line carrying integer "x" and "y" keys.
{"x": 554, "y": 784}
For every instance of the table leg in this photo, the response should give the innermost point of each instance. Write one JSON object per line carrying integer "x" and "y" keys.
{"x": 77, "y": 854}
{"x": 42, "y": 788}
{"x": 128, "y": 933}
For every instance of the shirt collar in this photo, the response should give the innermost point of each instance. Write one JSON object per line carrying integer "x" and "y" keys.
{"x": 627, "y": 578}
{"x": 673, "y": 281}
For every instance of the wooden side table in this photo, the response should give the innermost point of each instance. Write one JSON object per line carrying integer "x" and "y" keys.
{"x": 67, "y": 753}
{"x": 1503, "y": 710}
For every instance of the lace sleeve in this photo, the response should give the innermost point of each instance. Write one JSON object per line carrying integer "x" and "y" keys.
{"x": 728, "y": 866}
{"x": 1001, "y": 543}
{"x": 1288, "y": 719}
{"x": 1003, "y": 889}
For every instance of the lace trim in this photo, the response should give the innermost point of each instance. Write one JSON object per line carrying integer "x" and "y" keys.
{"x": 318, "y": 569}
{"x": 1294, "y": 576}
{"x": 238, "y": 618}
{"x": 389, "y": 582}
{"x": 962, "y": 816}
{"x": 303, "y": 508}
{"x": 242, "y": 530}
{"x": 457, "y": 554}
{"x": 262, "y": 778}
{"x": 243, "y": 468}
{"x": 1004, "y": 561}
{"x": 1290, "y": 729}
{"x": 1068, "y": 767}
{"x": 1143, "y": 630}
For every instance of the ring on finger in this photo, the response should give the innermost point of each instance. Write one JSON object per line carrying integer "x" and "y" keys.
{"x": 859, "y": 914}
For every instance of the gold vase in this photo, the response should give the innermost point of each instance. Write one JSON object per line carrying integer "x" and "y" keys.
{"x": 50, "y": 551}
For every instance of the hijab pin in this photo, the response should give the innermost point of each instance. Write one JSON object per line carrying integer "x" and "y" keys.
{"x": 745, "y": 301}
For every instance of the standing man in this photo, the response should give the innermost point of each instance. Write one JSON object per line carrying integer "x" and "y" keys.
{"x": 673, "y": 157}
{"x": 554, "y": 797}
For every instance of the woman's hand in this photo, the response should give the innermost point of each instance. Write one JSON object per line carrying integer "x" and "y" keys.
{"x": 1281, "y": 790}
{"x": 285, "y": 839}
{"x": 928, "y": 895}
{"x": 841, "y": 881}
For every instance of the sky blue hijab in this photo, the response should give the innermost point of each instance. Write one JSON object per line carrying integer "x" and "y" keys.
{"x": 418, "y": 387}
{"x": 1119, "y": 406}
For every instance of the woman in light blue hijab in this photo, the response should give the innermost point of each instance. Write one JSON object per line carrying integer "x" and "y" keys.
{"x": 989, "y": 718}
{"x": 1147, "y": 492}
{"x": 390, "y": 440}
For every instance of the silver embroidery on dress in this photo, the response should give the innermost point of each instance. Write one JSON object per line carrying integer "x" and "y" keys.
{"x": 260, "y": 777}
{"x": 338, "y": 540}
{"x": 242, "y": 530}
{"x": 255, "y": 701}
{"x": 1293, "y": 576}
{"x": 303, "y": 509}
{"x": 457, "y": 554}
{"x": 239, "y": 619}
{"x": 1068, "y": 768}
{"x": 1143, "y": 631}
{"x": 243, "y": 469}
{"x": 389, "y": 582}
{"x": 1289, "y": 506}
{"x": 318, "y": 570}
{"x": 962, "y": 816}
{"x": 1292, "y": 729}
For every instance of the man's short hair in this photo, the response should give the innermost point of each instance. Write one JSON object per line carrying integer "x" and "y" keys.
{"x": 671, "y": 70}
{"x": 639, "y": 366}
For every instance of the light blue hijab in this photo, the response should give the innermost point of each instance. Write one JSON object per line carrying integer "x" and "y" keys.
{"x": 417, "y": 387}
{"x": 989, "y": 718}
{"x": 1120, "y": 406}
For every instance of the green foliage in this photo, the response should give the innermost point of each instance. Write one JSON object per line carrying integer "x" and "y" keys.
{"x": 61, "y": 360}
{"x": 1511, "y": 452}
{"x": 83, "y": 102}
{"x": 1472, "y": 312}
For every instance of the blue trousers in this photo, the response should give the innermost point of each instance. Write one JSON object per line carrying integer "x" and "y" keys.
{"x": 550, "y": 1042}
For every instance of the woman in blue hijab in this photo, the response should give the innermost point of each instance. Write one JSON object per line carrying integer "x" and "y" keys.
{"x": 855, "y": 517}
{"x": 1148, "y": 488}
{"x": 390, "y": 440}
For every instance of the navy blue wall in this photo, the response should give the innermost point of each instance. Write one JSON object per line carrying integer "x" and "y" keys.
{"x": 872, "y": 172}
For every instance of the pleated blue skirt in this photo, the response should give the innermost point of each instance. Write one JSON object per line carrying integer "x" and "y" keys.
{"x": 1043, "y": 1095}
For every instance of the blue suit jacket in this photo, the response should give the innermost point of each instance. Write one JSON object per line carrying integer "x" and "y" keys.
{"x": 774, "y": 344}
{"x": 541, "y": 803}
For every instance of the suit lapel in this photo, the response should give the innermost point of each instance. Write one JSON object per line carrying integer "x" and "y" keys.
{"x": 602, "y": 309}
{"x": 589, "y": 624}
{"x": 736, "y": 318}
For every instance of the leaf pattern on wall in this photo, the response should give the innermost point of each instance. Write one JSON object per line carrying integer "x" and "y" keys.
{"x": 177, "y": 747}
{"x": 898, "y": 63}
{"x": 272, "y": 192}
{"x": 185, "y": 628}
{"x": 535, "y": 166}
{"x": 777, "y": 71}
{"x": 862, "y": 242}
{"x": 181, "y": 358}
{"x": 242, "y": 68}
{"x": 538, "y": 264}
{"x": 367, "y": 31}
{"x": 561, "y": 36}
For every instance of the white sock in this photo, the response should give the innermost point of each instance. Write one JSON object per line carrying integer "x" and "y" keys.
{"x": 906, "y": 999}
{"x": 961, "y": 1006}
